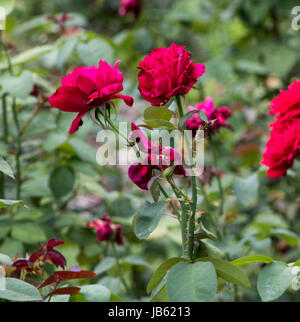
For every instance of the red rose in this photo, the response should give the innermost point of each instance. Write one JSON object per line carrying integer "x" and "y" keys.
{"x": 88, "y": 87}
{"x": 284, "y": 142}
{"x": 167, "y": 72}
{"x": 283, "y": 146}
{"x": 287, "y": 101}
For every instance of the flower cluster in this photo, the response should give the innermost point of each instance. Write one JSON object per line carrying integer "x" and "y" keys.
{"x": 106, "y": 230}
{"x": 158, "y": 158}
{"x": 283, "y": 145}
{"x": 217, "y": 115}
{"x": 164, "y": 73}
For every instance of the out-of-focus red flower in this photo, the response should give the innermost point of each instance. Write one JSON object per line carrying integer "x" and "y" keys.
{"x": 106, "y": 230}
{"x": 167, "y": 72}
{"x": 88, "y": 87}
{"x": 159, "y": 158}
{"x": 44, "y": 254}
{"x": 210, "y": 172}
{"x": 70, "y": 31}
{"x": 218, "y": 115}
{"x": 127, "y": 6}
{"x": 282, "y": 147}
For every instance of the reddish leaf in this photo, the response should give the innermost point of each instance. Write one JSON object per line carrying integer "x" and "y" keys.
{"x": 70, "y": 275}
{"x": 50, "y": 280}
{"x": 60, "y": 276}
{"x": 67, "y": 290}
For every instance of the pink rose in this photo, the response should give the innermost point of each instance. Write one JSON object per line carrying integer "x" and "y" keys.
{"x": 167, "y": 72}
{"x": 88, "y": 87}
{"x": 127, "y": 6}
{"x": 219, "y": 115}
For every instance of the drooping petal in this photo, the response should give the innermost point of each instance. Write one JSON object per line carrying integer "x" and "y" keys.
{"x": 127, "y": 99}
{"x": 76, "y": 123}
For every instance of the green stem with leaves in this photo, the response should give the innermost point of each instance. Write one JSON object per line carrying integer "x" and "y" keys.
{"x": 188, "y": 206}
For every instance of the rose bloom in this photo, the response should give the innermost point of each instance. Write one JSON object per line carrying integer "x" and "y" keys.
{"x": 167, "y": 72}
{"x": 106, "y": 230}
{"x": 287, "y": 101}
{"x": 158, "y": 158}
{"x": 127, "y": 6}
{"x": 282, "y": 147}
{"x": 88, "y": 87}
{"x": 284, "y": 143}
{"x": 217, "y": 114}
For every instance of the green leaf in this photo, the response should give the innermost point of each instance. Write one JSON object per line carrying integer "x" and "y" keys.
{"x": 148, "y": 218}
{"x": 186, "y": 116}
{"x": 160, "y": 124}
{"x": 104, "y": 265}
{"x": 19, "y": 86}
{"x": 115, "y": 298}
{"x": 161, "y": 271}
{"x": 17, "y": 290}
{"x": 288, "y": 236}
{"x": 252, "y": 259}
{"x": 136, "y": 260}
{"x": 84, "y": 151}
{"x": 192, "y": 282}
{"x": 5, "y": 168}
{"x": 29, "y": 233}
{"x": 5, "y": 259}
{"x": 96, "y": 293}
{"x": 246, "y": 190}
{"x": 4, "y": 203}
{"x": 96, "y": 49}
{"x": 158, "y": 113}
{"x": 61, "y": 181}
{"x": 228, "y": 271}
{"x": 11, "y": 247}
{"x": 66, "y": 50}
{"x": 28, "y": 55}
{"x": 273, "y": 280}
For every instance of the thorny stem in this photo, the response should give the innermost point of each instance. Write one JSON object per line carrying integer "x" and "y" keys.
{"x": 188, "y": 206}
{"x": 192, "y": 217}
